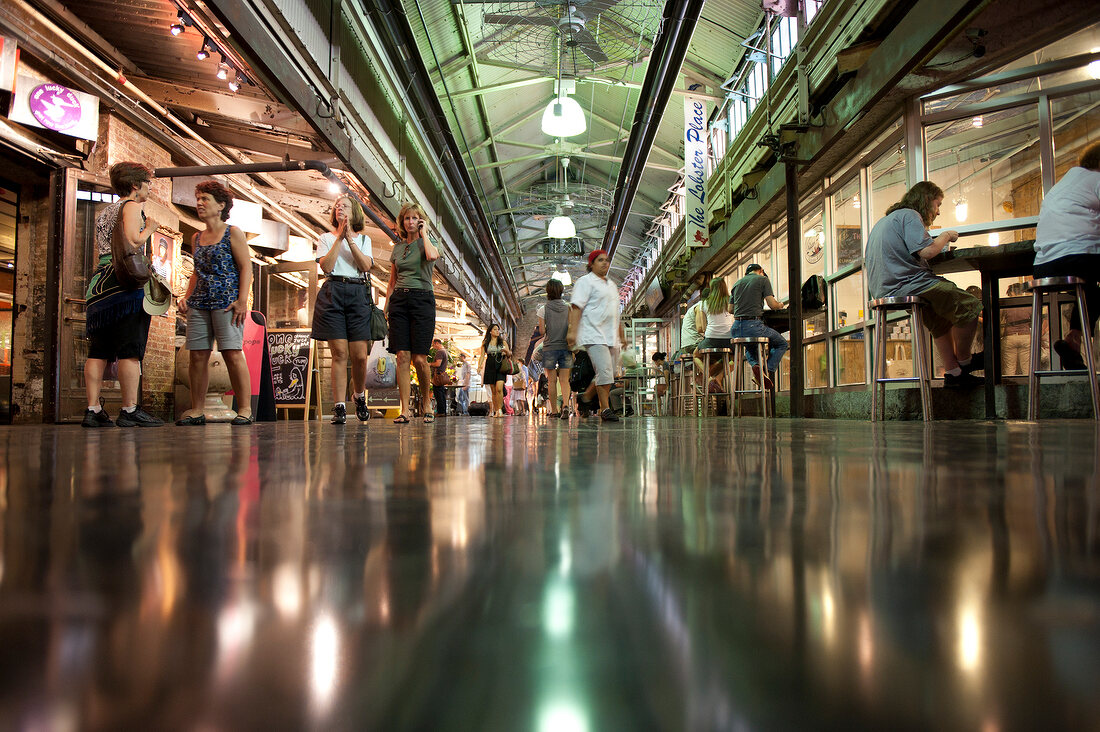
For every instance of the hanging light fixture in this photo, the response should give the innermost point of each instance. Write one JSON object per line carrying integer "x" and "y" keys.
{"x": 961, "y": 209}
{"x": 563, "y": 116}
{"x": 563, "y": 278}
{"x": 561, "y": 226}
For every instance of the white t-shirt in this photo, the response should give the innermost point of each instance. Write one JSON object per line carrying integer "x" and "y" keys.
{"x": 463, "y": 373}
{"x": 345, "y": 263}
{"x": 598, "y": 299}
{"x": 719, "y": 325}
{"x": 1069, "y": 220}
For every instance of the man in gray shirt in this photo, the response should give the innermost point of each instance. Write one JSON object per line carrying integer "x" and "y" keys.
{"x": 896, "y": 265}
{"x": 747, "y": 298}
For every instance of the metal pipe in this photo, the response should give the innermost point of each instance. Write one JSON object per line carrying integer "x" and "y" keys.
{"x": 794, "y": 289}
{"x": 680, "y": 19}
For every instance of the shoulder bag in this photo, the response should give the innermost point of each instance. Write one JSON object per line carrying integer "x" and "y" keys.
{"x": 131, "y": 266}
{"x": 506, "y": 366}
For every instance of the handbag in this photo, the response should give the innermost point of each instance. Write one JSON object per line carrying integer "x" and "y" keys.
{"x": 379, "y": 328}
{"x": 131, "y": 266}
{"x": 506, "y": 366}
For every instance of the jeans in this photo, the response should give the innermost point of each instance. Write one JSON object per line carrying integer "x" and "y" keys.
{"x": 464, "y": 400}
{"x": 777, "y": 344}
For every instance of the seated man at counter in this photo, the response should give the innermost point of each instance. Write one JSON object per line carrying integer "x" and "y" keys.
{"x": 1067, "y": 243}
{"x": 896, "y": 265}
{"x": 747, "y": 298}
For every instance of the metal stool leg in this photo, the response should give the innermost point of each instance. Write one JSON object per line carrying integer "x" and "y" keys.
{"x": 1033, "y": 374}
{"x": 1086, "y": 343}
{"x": 920, "y": 348}
{"x": 762, "y": 356}
{"x": 738, "y": 375}
{"x": 877, "y": 367}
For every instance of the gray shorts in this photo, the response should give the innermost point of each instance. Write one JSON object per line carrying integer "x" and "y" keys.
{"x": 203, "y": 326}
{"x": 603, "y": 360}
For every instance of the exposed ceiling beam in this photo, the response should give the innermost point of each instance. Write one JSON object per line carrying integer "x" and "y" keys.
{"x": 632, "y": 85}
{"x": 482, "y": 90}
{"x": 265, "y": 145}
{"x": 579, "y": 154}
{"x": 227, "y": 105}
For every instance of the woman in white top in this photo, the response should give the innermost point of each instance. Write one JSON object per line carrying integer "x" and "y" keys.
{"x": 1067, "y": 243}
{"x": 342, "y": 314}
{"x": 715, "y": 310}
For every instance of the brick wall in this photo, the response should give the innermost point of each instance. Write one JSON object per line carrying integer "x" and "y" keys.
{"x": 29, "y": 327}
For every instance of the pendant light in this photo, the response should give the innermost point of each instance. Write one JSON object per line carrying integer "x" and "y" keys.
{"x": 561, "y": 226}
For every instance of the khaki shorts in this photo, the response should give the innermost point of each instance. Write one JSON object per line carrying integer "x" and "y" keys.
{"x": 950, "y": 306}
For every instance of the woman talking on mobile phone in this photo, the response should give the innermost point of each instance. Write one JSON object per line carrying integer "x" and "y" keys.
{"x": 410, "y": 306}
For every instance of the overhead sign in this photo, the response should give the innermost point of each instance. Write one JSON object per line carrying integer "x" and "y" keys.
{"x": 696, "y": 233}
{"x": 9, "y": 58}
{"x": 54, "y": 107}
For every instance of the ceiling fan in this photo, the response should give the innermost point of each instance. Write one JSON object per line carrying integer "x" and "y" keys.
{"x": 571, "y": 22}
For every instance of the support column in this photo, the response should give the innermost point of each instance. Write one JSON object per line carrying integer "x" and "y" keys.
{"x": 794, "y": 287}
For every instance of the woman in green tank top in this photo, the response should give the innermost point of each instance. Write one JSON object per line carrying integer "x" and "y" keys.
{"x": 410, "y": 307}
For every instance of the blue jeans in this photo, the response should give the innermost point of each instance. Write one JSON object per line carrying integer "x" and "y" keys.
{"x": 777, "y": 344}
{"x": 464, "y": 400}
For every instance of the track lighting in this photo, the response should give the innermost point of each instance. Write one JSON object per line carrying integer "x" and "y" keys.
{"x": 204, "y": 52}
{"x": 223, "y": 69}
{"x": 181, "y": 24}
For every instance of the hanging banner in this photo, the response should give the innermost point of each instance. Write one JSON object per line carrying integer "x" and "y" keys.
{"x": 9, "y": 58}
{"x": 54, "y": 107}
{"x": 696, "y": 233}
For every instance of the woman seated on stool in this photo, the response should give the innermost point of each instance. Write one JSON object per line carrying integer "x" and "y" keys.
{"x": 216, "y": 302}
{"x": 716, "y": 310}
{"x": 1067, "y": 244}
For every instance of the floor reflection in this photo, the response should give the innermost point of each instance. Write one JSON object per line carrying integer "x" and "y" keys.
{"x": 504, "y": 575}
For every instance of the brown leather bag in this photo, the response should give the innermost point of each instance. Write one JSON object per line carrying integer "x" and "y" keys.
{"x": 131, "y": 266}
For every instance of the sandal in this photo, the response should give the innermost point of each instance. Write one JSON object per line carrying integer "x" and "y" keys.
{"x": 401, "y": 419}
{"x": 240, "y": 419}
{"x": 192, "y": 421}
{"x": 429, "y": 417}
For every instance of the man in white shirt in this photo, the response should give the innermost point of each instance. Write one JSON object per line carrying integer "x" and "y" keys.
{"x": 594, "y": 324}
{"x": 463, "y": 384}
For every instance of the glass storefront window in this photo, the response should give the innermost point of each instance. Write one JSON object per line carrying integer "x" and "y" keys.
{"x": 987, "y": 166}
{"x": 778, "y": 272}
{"x": 817, "y": 365}
{"x": 1076, "y": 126}
{"x": 888, "y": 181}
{"x": 847, "y": 236}
{"x": 813, "y": 243}
{"x": 849, "y": 301}
{"x": 850, "y": 359}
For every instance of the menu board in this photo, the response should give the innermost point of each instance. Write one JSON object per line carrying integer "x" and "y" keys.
{"x": 289, "y": 351}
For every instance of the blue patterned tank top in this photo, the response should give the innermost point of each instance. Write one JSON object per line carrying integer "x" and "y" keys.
{"x": 218, "y": 279}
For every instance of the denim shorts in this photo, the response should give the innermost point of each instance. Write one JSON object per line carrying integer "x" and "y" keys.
{"x": 557, "y": 359}
{"x": 203, "y": 326}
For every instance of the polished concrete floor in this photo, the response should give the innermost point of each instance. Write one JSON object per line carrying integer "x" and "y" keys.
{"x": 505, "y": 574}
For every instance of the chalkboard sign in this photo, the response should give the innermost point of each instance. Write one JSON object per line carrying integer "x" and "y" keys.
{"x": 289, "y": 350}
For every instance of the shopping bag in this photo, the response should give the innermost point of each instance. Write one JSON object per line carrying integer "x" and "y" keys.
{"x": 381, "y": 368}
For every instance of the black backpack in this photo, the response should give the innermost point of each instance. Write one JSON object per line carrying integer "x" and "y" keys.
{"x": 815, "y": 295}
{"x": 582, "y": 372}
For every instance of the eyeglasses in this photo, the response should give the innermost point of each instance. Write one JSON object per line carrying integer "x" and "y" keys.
{"x": 408, "y": 248}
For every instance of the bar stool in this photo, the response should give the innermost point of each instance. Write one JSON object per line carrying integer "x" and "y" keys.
{"x": 914, "y": 306}
{"x": 710, "y": 356}
{"x": 684, "y": 388}
{"x": 740, "y": 348}
{"x": 1044, "y": 286}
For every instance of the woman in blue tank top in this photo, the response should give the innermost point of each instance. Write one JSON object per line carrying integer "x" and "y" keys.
{"x": 216, "y": 302}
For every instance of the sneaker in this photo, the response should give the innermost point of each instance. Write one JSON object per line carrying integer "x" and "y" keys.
{"x": 137, "y": 418}
{"x": 608, "y": 415}
{"x": 339, "y": 414}
{"x": 361, "y": 410}
{"x": 962, "y": 381}
{"x": 1071, "y": 358}
{"x": 977, "y": 363}
{"x": 96, "y": 419}
{"x": 565, "y": 414}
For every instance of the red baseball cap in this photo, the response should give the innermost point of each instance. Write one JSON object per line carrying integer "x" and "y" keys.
{"x": 592, "y": 256}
